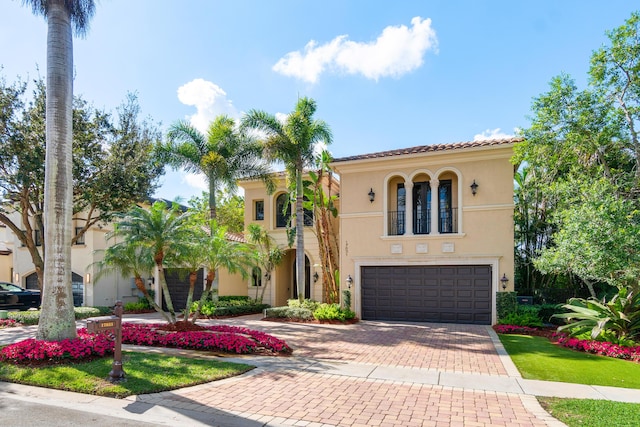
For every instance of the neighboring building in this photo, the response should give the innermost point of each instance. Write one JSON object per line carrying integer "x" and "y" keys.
{"x": 427, "y": 232}
{"x": 6, "y": 254}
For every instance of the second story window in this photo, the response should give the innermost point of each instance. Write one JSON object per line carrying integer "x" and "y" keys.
{"x": 448, "y": 215}
{"x": 37, "y": 237}
{"x": 259, "y": 210}
{"x": 283, "y": 210}
{"x": 79, "y": 240}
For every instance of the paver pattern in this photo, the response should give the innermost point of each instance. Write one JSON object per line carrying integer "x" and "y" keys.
{"x": 308, "y": 398}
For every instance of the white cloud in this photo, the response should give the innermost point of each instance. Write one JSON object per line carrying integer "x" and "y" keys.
{"x": 397, "y": 51}
{"x": 209, "y": 99}
{"x": 493, "y": 134}
{"x": 196, "y": 180}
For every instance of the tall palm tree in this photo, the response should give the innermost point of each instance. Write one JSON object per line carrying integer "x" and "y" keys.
{"x": 292, "y": 141}
{"x": 165, "y": 232}
{"x": 268, "y": 254}
{"x": 57, "y": 320}
{"x": 223, "y": 155}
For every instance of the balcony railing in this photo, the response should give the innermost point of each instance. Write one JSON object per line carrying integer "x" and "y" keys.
{"x": 448, "y": 221}
{"x": 396, "y": 223}
{"x": 422, "y": 221}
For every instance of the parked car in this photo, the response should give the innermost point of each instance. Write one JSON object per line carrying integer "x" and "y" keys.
{"x": 14, "y": 297}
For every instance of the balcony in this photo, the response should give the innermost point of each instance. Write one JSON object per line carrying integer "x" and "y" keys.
{"x": 448, "y": 221}
{"x": 396, "y": 223}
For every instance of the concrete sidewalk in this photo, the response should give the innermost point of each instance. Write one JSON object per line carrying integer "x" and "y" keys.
{"x": 359, "y": 376}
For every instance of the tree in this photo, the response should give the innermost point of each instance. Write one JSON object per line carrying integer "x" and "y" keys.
{"x": 166, "y": 232}
{"x": 268, "y": 254}
{"x": 57, "y": 319}
{"x": 131, "y": 259}
{"x": 219, "y": 251}
{"x": 223, "y": 155}
{"x": 292, "y": 141}
{"x": 229, "y": 210}
{"x": 113, "y": 164}
{"x": 584, "y": 151}
{"x": 322, "y": 203}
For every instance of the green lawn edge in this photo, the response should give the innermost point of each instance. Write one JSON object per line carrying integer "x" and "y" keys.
{"x": 592, "y": 413}
{"x": 538, "y": 358}
{"x": 145, "y": 373}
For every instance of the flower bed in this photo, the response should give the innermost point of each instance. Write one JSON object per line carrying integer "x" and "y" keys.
{"x": 231, "y": 339}
{"x": 600, "y": 348}
{"x": 32, "y": 350}
{"x": 8, "y": 323}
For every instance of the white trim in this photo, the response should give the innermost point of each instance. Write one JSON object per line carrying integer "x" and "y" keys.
{"x": 500, "y": 207}
{"x": 493, "y": 261}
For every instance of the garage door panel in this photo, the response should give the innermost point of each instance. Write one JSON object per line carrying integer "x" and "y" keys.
{"x": 452, "y": 294}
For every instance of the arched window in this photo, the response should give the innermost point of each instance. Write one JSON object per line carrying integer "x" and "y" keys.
{"x": 283, "y": 210}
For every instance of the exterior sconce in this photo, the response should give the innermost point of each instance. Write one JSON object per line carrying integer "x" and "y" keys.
{"x": 87, "y": 278}
{"x": 372, "y": 195}
{"x": 315, "y": 277}
{"x": 349, "y": 281}
{"x": 474, "y": 187}
{"x": 504, "y": 280}
{"x": 16, "y": 278}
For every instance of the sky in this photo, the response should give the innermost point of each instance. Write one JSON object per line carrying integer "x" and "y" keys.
{"x": 384, "y": 75}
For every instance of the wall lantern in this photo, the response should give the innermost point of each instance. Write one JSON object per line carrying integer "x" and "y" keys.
{"x": 372, "y": 195}
{"x": 315, "y": 277}
{"x": 504, "y": 280}
{"x": 474, "y": 187}
{"x": 349, "y": 281}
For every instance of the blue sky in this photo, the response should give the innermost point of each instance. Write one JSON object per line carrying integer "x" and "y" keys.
{"x": 384, "y": 74}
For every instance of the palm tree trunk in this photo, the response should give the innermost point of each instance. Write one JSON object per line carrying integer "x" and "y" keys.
{"x": 57, "y": 319}
{"x": 212, "y": 198}
{"x": 165, "y": 293}
{"x": 211, "y": 275}
{"x": 299, "y": 235}
{"x": 193, "y": 276}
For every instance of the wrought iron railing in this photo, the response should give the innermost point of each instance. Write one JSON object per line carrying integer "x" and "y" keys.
{"x": 422, "y": 221}
{"x": 396, "y": 224}
{"x": 448, "y": 220}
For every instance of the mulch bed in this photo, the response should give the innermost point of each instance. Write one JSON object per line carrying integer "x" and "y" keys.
{"x": 311, "y": 321}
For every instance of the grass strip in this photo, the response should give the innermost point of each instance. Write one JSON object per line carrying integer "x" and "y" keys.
{"x": 145, "y": 373}
{"x": 592, "y": 413}
{"x": 538, "y": 358}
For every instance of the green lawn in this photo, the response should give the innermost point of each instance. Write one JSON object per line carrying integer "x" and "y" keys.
{"x": 145, "y": 373}
{"x": 538, "y": 358}
{"x": 592, "y": 413}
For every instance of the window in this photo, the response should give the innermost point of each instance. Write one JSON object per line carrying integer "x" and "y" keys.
{"x": 259, "y": 210}
{"x": 80, "y": 240}
{"x": 421, "y": 208}
{"x": 448, "y": 215}
{"x": 256, "y": 276}
{"x": 37, "y": 237}
{"x": 283, "y": 210}
{"x": 397, "y": 217}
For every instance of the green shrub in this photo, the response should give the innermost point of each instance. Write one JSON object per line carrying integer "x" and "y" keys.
{"x": 86, "y": 312}
{"x": 232, "y": 307}
{"x": 298, "y": 313}
{"x": 228, "y": 298}
{"x": 136, "y": 306}
{"x": 506, "y": 303}
{"x": 310, "y": 305}
{"x": 333, "y": 312}
{"x": 548, "y": 310}
{"x": 521, "y": 319}
{"x": 30, "y": 317}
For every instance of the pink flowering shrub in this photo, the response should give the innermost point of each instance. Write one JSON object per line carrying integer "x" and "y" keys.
{"x": 600, "y": 348}
{"x": 224, "y": 338}
{"x": 8, "y": 323}
{"x": 30, "y": 350}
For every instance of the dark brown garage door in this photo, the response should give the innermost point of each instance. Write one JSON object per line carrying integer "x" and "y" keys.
{"x": 447, "y": 294}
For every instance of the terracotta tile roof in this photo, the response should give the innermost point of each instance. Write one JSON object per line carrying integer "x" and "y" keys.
{"x": 431, "y": 148}
{"x": 235, "y": 237}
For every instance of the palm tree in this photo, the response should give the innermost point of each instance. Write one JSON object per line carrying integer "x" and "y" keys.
{"x": 165, "y": 232}
{"x": 292, "y": 141}
{"x": 130, "y": 260}
{"x": 57, "y": 319}
{"x": 268, "y": 254}
{"x": 223, "y": 155}
{"x": 218, "y": 251}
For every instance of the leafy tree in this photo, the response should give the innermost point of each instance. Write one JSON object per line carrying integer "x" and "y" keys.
{"x": 57, "y": 319}
{"x": 229, "y": 211}
{"x": 583, "y": 149}
{"x": 293, "y": 142}
{"x": 268, "y": 254}
{"x": 223, "y": 155}
{"x": 166, "y": 232}
{"x": 113, "y": 164}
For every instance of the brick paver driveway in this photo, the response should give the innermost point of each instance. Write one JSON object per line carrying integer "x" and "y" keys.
{"x": 311, "y": 398}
